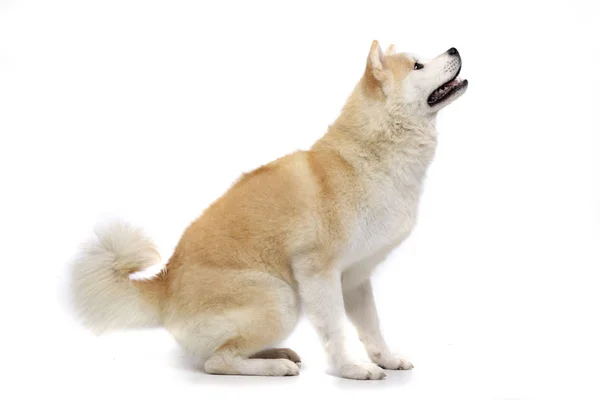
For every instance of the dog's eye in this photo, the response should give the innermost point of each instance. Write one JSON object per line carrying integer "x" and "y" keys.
{"x": 418, "y": 66}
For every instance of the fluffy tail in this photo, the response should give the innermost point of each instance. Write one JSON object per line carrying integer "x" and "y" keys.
{"x": 103, "y": 294}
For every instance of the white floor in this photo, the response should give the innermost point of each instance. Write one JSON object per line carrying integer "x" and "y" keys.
{"x": 148, "y": 365}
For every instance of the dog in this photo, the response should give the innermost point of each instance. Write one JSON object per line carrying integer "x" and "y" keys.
{"x": 304, "y": 231}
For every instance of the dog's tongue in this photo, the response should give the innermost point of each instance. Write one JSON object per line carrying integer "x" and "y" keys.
{"x": 453, "y": 83}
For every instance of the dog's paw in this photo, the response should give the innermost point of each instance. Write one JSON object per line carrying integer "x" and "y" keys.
{"x": 362, "y": 371}
{"x": 282, "y": 367}
{"x": 391, "y": 361}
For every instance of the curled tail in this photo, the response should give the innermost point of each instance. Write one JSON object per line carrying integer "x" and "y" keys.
{"x": 104, "y": 296}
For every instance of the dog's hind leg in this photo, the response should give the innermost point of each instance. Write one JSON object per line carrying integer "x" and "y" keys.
{"x": 255, "y": 329}
{"x": 229, "y": 361}
{"x": 232, "y": 325}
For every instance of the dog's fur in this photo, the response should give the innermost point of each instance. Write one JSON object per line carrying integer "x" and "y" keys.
{"x": 307, "y": 229}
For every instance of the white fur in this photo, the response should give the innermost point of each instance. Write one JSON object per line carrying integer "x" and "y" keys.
{"x": 324, "y": 307}
{"x": 360, "y": 307}
{"x": 103, "y": 294}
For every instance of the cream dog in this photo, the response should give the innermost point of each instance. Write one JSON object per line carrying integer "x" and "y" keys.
{"x": 305, "y": 230}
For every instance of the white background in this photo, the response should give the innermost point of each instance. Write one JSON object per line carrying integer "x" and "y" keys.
{"x": 149, "y": 110}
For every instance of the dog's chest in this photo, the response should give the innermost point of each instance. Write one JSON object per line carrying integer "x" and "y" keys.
{"x": 387, "y": 214}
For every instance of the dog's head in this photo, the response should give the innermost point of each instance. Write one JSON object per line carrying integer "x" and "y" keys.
{"x": 414, "y": 85}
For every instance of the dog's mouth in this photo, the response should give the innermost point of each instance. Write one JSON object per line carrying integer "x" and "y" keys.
{"x": 447, "y": 90}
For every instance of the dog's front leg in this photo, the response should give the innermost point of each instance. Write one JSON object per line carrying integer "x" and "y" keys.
{"x": 321, "y": 295}
{"x": 361, "y": 310}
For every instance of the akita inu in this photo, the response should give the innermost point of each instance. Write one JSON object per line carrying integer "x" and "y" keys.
{"x": 304, "y": 231}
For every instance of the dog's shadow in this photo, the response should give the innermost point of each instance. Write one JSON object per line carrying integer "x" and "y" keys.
{"x": 393, "y": 378}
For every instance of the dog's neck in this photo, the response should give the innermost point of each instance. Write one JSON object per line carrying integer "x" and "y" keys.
{"x": 370, "y": 130}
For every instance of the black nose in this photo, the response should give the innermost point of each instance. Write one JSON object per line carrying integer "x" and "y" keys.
{"x": 452, "y": 51}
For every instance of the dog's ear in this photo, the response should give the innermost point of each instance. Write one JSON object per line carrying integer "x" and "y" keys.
{"x": 391, "y": 50}
{"x": 376, "y": 60}
{"x": 377, "y": 74}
